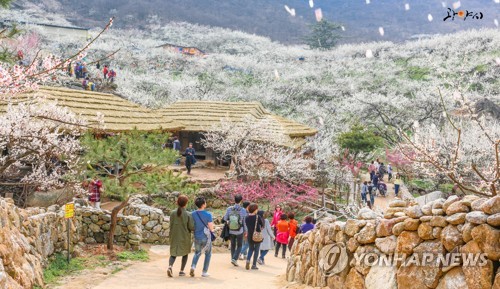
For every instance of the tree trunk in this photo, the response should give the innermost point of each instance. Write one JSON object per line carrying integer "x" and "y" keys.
{"x": 114, "y": 216}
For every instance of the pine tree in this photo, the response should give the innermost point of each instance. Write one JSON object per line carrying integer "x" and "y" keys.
{"x": 323, "y": 35}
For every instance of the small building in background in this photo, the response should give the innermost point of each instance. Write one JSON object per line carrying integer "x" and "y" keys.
{"x": 193, "y": 51}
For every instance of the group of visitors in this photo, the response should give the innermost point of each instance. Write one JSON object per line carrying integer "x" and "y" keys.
{"x": 107, "y": 72}
{"x": 377, "y": 171}
{"x": 250, "y": 233}
{"x": 80, "y": 71}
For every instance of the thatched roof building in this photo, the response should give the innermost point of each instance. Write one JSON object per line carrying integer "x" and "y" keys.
{"x": 119, "y": 114}
{"x": 199, "y": 116}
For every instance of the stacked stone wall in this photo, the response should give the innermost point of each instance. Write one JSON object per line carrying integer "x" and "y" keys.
{"x": 351, "y": 254}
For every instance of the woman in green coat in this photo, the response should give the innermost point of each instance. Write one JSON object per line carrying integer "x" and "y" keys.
{"x": 181, "y": 226}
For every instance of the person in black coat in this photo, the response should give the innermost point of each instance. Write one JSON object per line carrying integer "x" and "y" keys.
{"x": 253, "y": 222}
{"x": 190, "y": 157}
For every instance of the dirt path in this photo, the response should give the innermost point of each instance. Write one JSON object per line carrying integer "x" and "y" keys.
{"x": 152, "y": 274}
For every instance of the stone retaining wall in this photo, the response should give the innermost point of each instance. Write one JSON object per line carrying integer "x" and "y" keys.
{"x": 155, "y": 226}
{"x": 332, "y": 254}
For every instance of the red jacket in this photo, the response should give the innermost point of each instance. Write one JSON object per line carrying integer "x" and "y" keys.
{"x": 105, "y": 71}
{"x": 95, "y": 191}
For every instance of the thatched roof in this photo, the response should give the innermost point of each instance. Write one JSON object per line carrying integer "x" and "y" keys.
{"x": 119, "y": 114}
{"x": 201, "y": 115}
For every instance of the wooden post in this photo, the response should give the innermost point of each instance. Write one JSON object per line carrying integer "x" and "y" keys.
{"x": 68, "y": 228}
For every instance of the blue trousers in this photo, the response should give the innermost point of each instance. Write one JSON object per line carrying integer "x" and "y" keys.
{"x": 198, "y": 246}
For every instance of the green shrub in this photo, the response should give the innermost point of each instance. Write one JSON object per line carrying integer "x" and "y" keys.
{"x": 140, "y": 255}
{"x": 59, "y": 267}
{"x": 423, "y": 185}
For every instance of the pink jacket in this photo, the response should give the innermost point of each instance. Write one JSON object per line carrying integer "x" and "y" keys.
{"x": 276, "y": 218}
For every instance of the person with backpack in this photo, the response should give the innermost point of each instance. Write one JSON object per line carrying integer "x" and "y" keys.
{"x": 244, "y": 249}
{"x": 203, "y": 232}
{"x": 283, "y": 233}
{"x": 268, "y": 235}
{"x": 181, "y": 226}
{"x": 254, "y": 224}
{"x": 294, "y": 229}
{"x": 235, "y": 216}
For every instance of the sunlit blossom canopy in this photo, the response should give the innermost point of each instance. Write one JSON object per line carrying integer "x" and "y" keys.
{"x": 117, "y": 113}
{"x": 200, "y": 116}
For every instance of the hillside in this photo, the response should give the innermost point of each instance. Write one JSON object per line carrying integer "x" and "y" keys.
{"x": 269, "y": 18}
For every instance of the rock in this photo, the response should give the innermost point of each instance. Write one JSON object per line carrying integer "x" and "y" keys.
{"x": 352, "y": 245}
{"x": 476, "y": 276}
{"x": 398, "y": 229}
{"x": 386, "y": 245}
{"x": 94, "y": 228}
{"x": 426, "y": 218}
{"x": 425, "y": 231}
{"x": 414, "y": 212}
{"x": 406, "y": 241}
{"x": 397, "y": 203}
{"x": 418, "y": 277}
{"x": 367, "y": 214}
{"x": 476, "y": 217}
{"x": 496, "y": 282}
{"x": 381, "y": 277}
{"x": 352, "y": 227}
{"x": 395, "y": 210}
{"x": 384, "y": 227}
{"x": 438, "y": 221}
{"x": 336, "y": 282}
{"x": 150, "y": 225}
{"x": 436, "y": 232}
{"x": 427, "y": 209}
{"x": 487, "y": 238}
{"x": 438, "y": 212}
{"x": 367, "y": 235}
{"x": 399, "y": 214}
{"x": 449, "y": 201}
{"x": 468, "y": 199}
{"x": 354, "y": 280}
{"x": 429, "y": 198}
{"x": 456, "y": 219}
{"x": 454, "y": 279}
{"x": 476, "y": 205}
{"x": 457, "y": 207}
{"x": 451, "y": 237}
{"x": 467, "y": 232}
{"x": 411, "y": 224}
{"x": 494, "y": 220}
{"x": 491, "y": 206}
{"x": 438, "y": 204}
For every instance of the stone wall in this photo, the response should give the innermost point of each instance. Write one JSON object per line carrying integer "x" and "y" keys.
{"x": 155, "y": 226}
{"x": 348, "y": 254}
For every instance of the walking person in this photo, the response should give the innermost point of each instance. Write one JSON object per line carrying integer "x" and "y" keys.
{"x": 181, "y": 226}
{"x": 283, "y": 233}
{"x": 294, "y": 229}
{"x": 370, "y": 199}
{"x": 371, "y": 169}
{"x": 397, "y": 184}
{"x": 276, "y": 218}
{"x": 308, "y": 225}
{"x": 364, "y": 191}
{"x": 105, "y": 71}
{"x": 375, "y": 183}
{"x": 254, "y": 224}
{"x": 176, "y": 145}
{"x": 95, "y": 191}
{"x": 244, "y": 248}
{"x": 389, "y": 171}
{"x": 235, "y": 217}
{"x": 203, "y": 231}
{"x": 190, "y": 157}
{"x": 268, "y": 238}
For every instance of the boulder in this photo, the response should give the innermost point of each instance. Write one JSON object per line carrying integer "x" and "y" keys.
{"x": 428, "y": 198}
{"x": 496, "y": 282}
{"x": 411, "y": 224}
{"x": 477, "y": 204}
{"x": 352, "y": 245}
{"x": 451, "y": 237}
{"x": 494, "y": 220}
{"x": 476, "y": 217}
{"x": 425, "y": 231}
{"x": 367, "y": 214}
{"x": 414, "y": 212}
{"x": 491, "y": 206}
{"x": 477, "y": 276}
{"x": 438, "y": 212}
{"x": 487, "y": 238}
{"x": 384, "y": 227}
{"x": 367, "y": 235}
{"x": 457, "y": 207}
{"x": 398, "y": 229}
{"x": 354, "y": 280}
{"x": 456, "y": 219}
{"x": 407, "y": 241}
{"x": 386, "y": 245}
{"x": 397, "y": 203}
{"x": 427, "y": 209}
{"x": 438, "y": 221}
{"x": 438, "y": 204}
{"x": 418, "y": 277}
{"x": 352, "y": 227}
{"x": 467, "y": 231}
{"x": 381, "y": 277}
{"x": 449, "y": 201}
{"x": 454, "y": 279}
{"x": 468, "y": 199}
{"x": 436, "y": 232}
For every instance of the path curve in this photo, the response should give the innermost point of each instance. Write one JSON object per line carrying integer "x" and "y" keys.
{"x": 153, "y": 274}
